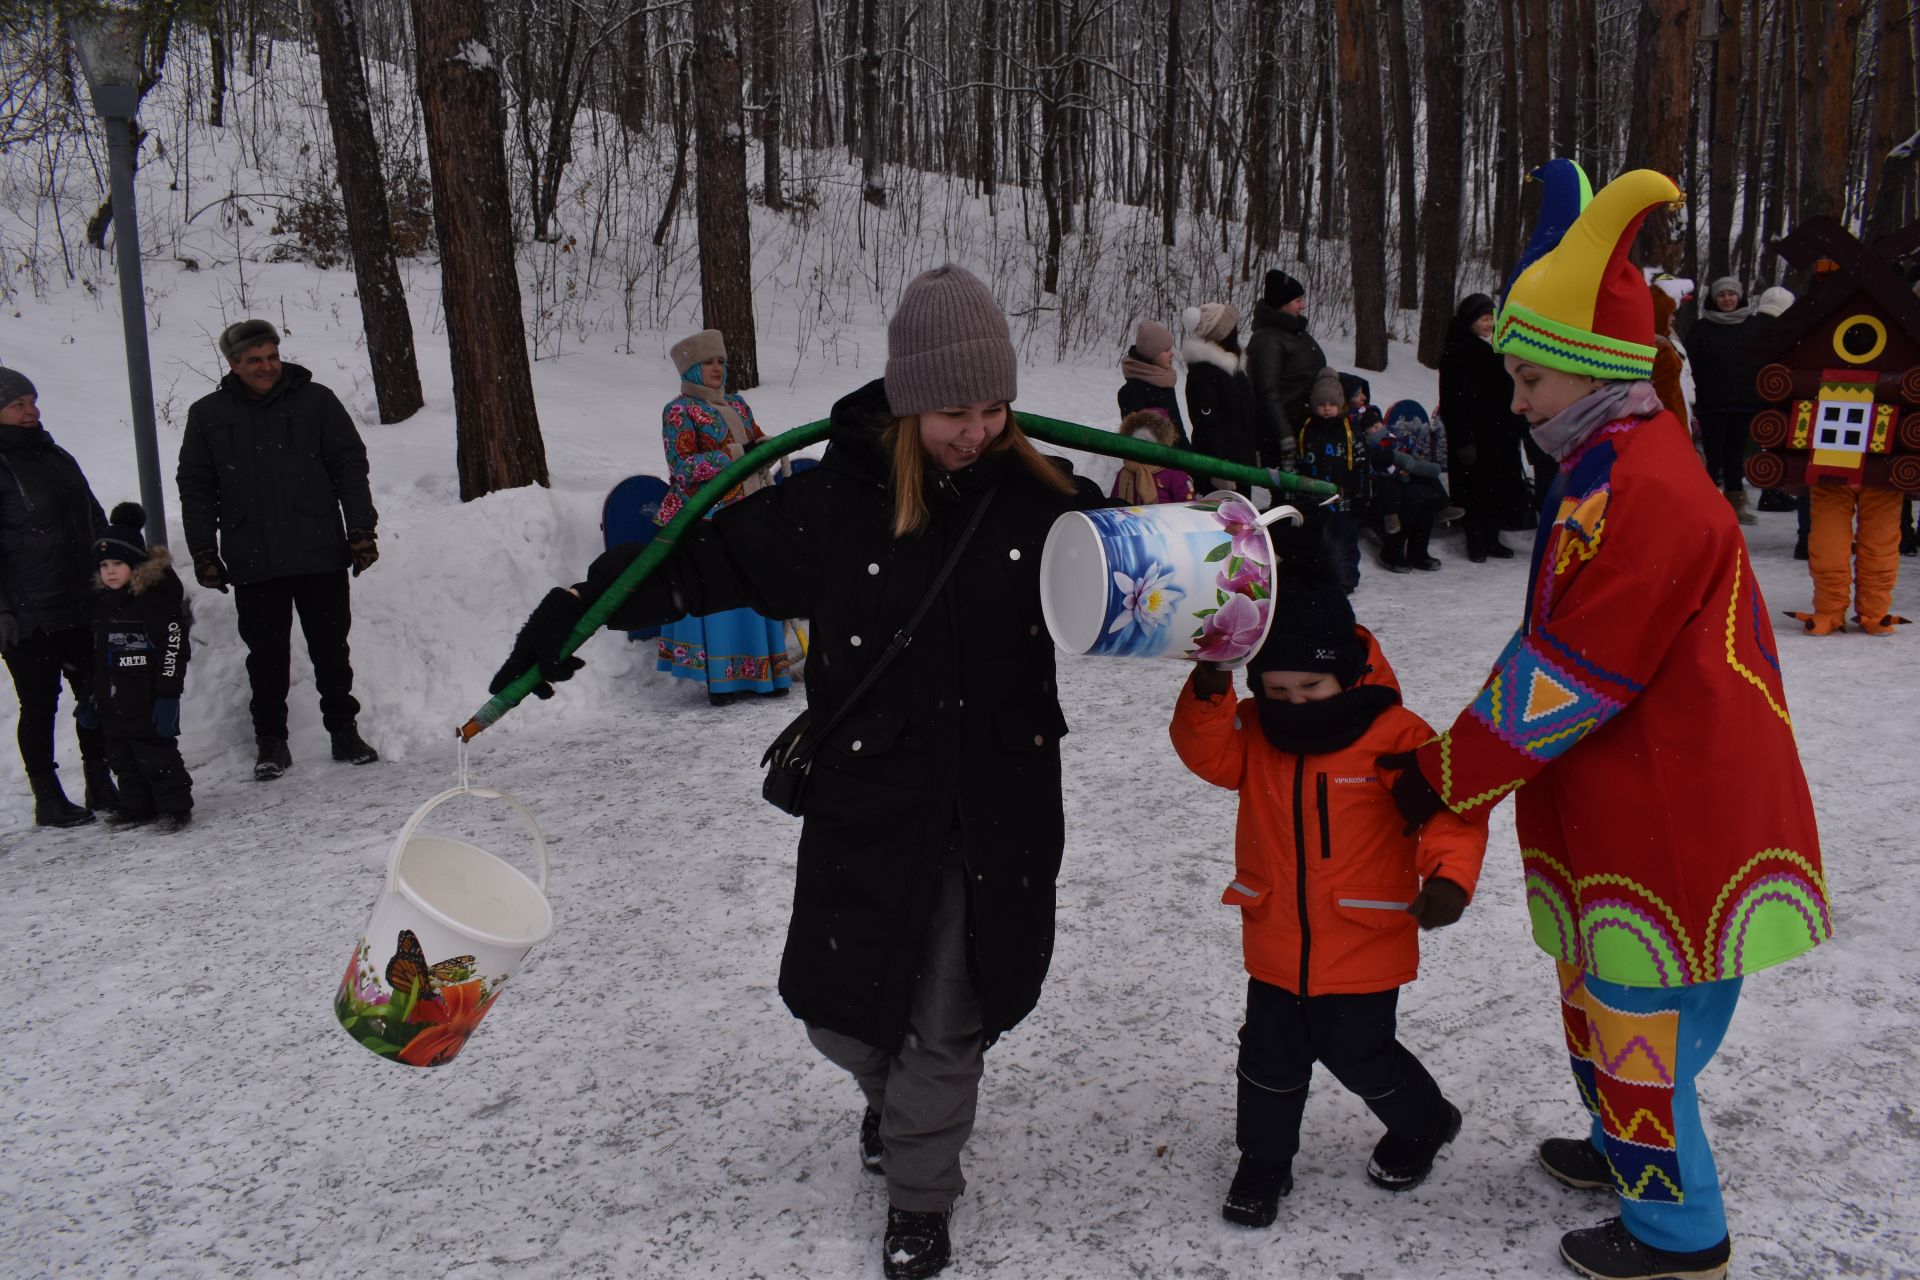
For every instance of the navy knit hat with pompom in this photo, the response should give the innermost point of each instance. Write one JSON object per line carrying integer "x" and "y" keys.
{"x": 123, "y": 539}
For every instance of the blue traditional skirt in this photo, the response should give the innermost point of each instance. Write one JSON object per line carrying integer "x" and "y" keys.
{"x": 736, "y": 651}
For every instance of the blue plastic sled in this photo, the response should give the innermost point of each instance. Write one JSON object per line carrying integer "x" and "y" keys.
{"x": 628, "y": 515}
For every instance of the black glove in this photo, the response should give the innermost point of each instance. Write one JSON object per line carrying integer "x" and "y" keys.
{"x": 1412, "y": 793}
{"x": 209, "y": 571}
{"x": 1438, "y": 904}
{"x": 363, "y": 549}
{"x": 9, "y": 631}
{"x": 539, "y": 643}
{"x": 1210, "y": 681}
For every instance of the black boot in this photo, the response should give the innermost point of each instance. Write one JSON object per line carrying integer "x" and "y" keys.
{"x": 1498, "y": 549}
{"x": 351, "y": 748}
{"x": 1393, "y": 553}
{"x": 1476, "y": 546}
{"x": 1401, "y": 1163}
{"x": 51, "y": 808}
{"x": 1418, "y": 557}
{"x": 1610, "y": 1252}
{"x": 274, "y": 759}
{"x": 1800, "y": 547}
{"x": 1574, "y": 1162}
{"x": 872, "y": 1153}
{"x": 1258, "y": 1187}
{"x": 916, "y": 1245}
{"x": 101, "y": 793}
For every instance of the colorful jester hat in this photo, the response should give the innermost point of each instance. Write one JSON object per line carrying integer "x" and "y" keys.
{"x": 1578, "y": 304}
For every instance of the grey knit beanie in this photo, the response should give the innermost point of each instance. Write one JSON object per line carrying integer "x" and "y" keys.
{"x": 1327, "y": 389}
{"x": 1150, "y": 338}
{"x": 698, "y": 348}
{"x": 948, "y": 344}
{"x": 13, "y": 385}
{"x": 237, "y": 338}
{"x": 1726, "y": 284}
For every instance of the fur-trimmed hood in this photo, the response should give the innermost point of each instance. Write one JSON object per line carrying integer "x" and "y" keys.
{"x": 147, "y": 574}
{"x": 1197, "y": 350}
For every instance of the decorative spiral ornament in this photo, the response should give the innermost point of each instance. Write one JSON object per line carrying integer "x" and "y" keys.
{"x": 1903, "y": 473}
{"x": 1907, "y": 433}
{"x": 1910, "y": 385}
{"x": 1774, "y": 382}
{"x": 1768, "y": 470}
{"x": 1769, "y": 428}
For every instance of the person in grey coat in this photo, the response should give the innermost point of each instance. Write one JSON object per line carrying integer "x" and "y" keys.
{"x": 269, "y": 465}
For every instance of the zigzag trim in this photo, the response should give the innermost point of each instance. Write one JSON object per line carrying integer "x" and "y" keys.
{"x": 1575, "y": 732}
{"x": 1814, "y": 877}
{"x": 1639, "y": 1189}
{"x": 1579, "y": 661}
{"x": 1586, "y": 545}
{"x": 1733, "y": 613}
{"x": 1633, "y": 1127}
{"x": 1611, "y": 1064}
{"x": 1580, "y": 888}
{"x": 1446, "y": 782}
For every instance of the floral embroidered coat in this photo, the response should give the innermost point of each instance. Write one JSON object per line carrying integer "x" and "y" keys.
{"x": 696, "y": 442}
{"x": 1665, "y": 826}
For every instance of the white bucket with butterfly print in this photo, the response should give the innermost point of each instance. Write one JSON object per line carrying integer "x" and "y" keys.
{"x": 447, "y": 931}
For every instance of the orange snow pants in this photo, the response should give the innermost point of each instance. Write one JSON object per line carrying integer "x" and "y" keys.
{"x": 1839, "y": 556}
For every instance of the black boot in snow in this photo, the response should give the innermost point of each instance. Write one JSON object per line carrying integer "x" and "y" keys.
{"x": 350, "y": 748}
{"x": 1393, "y": 553}
{"x": 1800, "y": 547}
{"x": 1476, "y": 546}
{"x": 1258, "y": 1187}
{"x": 274, "y": 759}
{"x": 1498, "y": 549}
{"x": 1610, "y": 1252}
{"x": 1575, "y": 1163}
{"x": 1402, "y": 1163}
{"x": 101, "y": 793}
{"x": 871, "y": 1152}
{"x": 51, "y": 808}
{"x": 917, "y": 1244}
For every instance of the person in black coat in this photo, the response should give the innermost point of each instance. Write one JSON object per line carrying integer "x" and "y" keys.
{"x": 269, "y": 464}
{"x": 1483, "y": 432}
{"x": 48, "y": 518}
{"x": 1220, "y": 404}
{"x": 1282, "y": 361}
{"x": 923, "y": 910}
{"x": 1723, "y": 390}
{"x": 140, "y": 659}
{"x": 1148, "y": 366}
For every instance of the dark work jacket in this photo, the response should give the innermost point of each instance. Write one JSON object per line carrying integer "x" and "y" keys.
{"x": 1136, "y": 394}
{"x": 1476, "y": 408}
{"x": 273, "y": 476}
{"x": 140, "y": 646}
{"x": 1220, "y": 407}
{"x": 1722, "y": 370}
{"x": 48, "y": 519}
{"x": 1283, "y": 359}
{"x": 962, "y": 728}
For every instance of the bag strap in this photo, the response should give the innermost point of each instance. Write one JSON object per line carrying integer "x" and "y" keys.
{"x": 904, "y": 636}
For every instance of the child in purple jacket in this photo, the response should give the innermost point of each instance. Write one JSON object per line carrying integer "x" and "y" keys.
{"x": 1141, "y": 484}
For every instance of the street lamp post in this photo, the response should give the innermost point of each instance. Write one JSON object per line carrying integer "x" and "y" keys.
{"x": 109, "y": 49}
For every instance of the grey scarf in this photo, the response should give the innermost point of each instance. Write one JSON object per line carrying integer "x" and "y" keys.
{"x": 1567, "y": 430}
{"x": 1736, "y": 316}
{"x": 739, "y": 439}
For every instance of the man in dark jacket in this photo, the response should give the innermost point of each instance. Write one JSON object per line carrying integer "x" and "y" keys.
{"x": 271, "y": 460}
{"x": 1282, "y": 360}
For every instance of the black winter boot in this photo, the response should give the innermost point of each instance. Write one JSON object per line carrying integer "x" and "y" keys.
{"x": 101, "y": 793}
{"x": 1393, "y": 553}
{"x": 1418, "y": 556}
{"x": 871, "y": 1152}
{"x": 1498, "y": 549}
{"x": 350, "y": 747}
{"x": 1476, "y": 546}
{"x": 1610, "y": 1252}
{"x": 1800, "y": 547}
{"x": 1575, "y": 1163}
{"x": 274, "y": 759}
{"x": 1258, "y": 1187}
{"x": 1401, "y": 1163}
{"x": 917, "y": 1244}
{"x": 51, "y": 808}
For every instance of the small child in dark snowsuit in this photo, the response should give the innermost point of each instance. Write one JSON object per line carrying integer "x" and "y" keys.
{"x": 140, "y": 652}
{"x": 1409, "y": 458}
{"x": 1334, "y": 449}
{"x": 1332, "y": 890}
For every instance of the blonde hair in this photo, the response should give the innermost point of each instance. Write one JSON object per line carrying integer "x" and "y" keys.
{"x": 910, "y": 461}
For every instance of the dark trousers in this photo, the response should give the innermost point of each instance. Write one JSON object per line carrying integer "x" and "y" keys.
{"x": 1724, "y": 434}
{"x": 1343, "y": 549}
{"x": 37, "y": 665}
{"x": 1353, "y": 1037}
{"x": 152, "y": 776}
{"x": 266, "y": 625}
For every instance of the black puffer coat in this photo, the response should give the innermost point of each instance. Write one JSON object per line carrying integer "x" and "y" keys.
{"x": 140, "y": 645}
{"x": 1723, "y": 372}
{"x": 48, "y": 519}
{"x": 1137, "y": 394}
{"x": 1476, "y": 408}
{"x": 964, "y": 726}
{"x": 1283, "y": 359}
{"x": 273, "y": 475}
{"x": 1220, "y": 407}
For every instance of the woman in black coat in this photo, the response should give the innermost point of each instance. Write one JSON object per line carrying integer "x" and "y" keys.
{"x": 48, "y": 520}
{"x": 923, "y": 909}
{"x": 1483, "y": 432}
{"x": 1148, "y": 377}
{"x": 1723, "y": 390}
{"x": 1220, "y": 405}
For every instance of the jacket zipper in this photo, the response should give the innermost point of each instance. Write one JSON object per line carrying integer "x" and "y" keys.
{"x": 1300, "y": 865}
{"x": 1326, "y": 827}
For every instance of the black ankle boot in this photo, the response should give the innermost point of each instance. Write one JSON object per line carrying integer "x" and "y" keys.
{"x": 916, "y": 1246}
{"x": 873, "y": 1152}
{"x": 350, "y": 748}
{"x": 51, "y": 808}
{"x": 274, "y": 759}
{"x": 101, "y": 793}
{"x": 1476, "y": 547}
{"x": 1393, "y": 553}
{"x": 1258, "y": 1187}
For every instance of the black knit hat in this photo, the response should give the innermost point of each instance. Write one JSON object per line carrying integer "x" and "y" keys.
{"x": 1472, "y": 307}
{"x": 1313, "y": 630}
{"x": 123, "y": 539}
{"x": 13, "y": 385}
{"x": 1281, "y": 289}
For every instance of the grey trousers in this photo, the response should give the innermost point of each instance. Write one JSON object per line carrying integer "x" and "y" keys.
{"x": 926, "y": 1091}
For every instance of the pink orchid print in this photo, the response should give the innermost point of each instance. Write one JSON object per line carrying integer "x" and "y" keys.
{"x": 1241, "y": 522}
{"x": 1241, "y": 576}
{"x": 1232, "y": 631}
{"x": 1148, "y": 601}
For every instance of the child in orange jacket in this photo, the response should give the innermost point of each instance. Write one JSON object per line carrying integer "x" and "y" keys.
{"x": 1332, "y": 892}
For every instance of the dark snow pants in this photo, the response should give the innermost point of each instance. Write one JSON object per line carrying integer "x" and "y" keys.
{"x": 37, "y": 665}
{"x": 266, "y": 625}
{"x": 925, "y": 1092}
{"x": 1724, "y": 433}
{"x": 1353, "y": 1037}
{"x": 151, "y": 775}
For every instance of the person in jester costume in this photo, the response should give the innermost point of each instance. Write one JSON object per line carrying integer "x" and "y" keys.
{"x": 1638, "y": 716}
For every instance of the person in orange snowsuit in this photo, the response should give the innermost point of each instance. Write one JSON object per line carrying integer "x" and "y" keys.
{"x": 1331, "y": 888}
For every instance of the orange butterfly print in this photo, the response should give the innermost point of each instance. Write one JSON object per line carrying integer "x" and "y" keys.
{"x": 409, "y": 968}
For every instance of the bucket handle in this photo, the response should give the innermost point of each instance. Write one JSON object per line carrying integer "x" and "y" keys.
{"x": 485, "y": 793}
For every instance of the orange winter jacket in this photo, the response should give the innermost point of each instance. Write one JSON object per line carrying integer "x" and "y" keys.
{"x": 1322, "y": 869}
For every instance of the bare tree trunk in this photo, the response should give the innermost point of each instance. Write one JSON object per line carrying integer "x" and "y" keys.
{"x": 1506, "y": 178}
{"x": 1662, "y": 98}
{"x": 985, "y": 158}
{"x": 872, "y": 190}
{"x": 1893, "y": 122}
{"x": 1723, "y": 140}
{"x": 363, "y": 192}
{"x": 635, "y": 72}
{"x": 1588, "y": 60}
{"x": 1360, "y": 138}
{"x": 850, "y": 122}
{"x": 217, "y": 59}
{"x": 720, "y": 191}
{"x": 769, "y": 22}
{"x": 1393, "y": 14}
{"x": 1169, "y": 138}
{"x": 682, "y": 140}
{"x": 1760, "y": 103}
{"x": 1566, "y": 102}
{"x": 1783, "y": 168}
{"x": 1441, "y": 29}
{"x": 1047, "y": 48}
{"x": 1826, "y": 83}
{"x": 1536, "y": 91}
{"x": 1330, "y": 205}
{"x": 1260, "y": 124}
{"x": 497, "y": 426}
